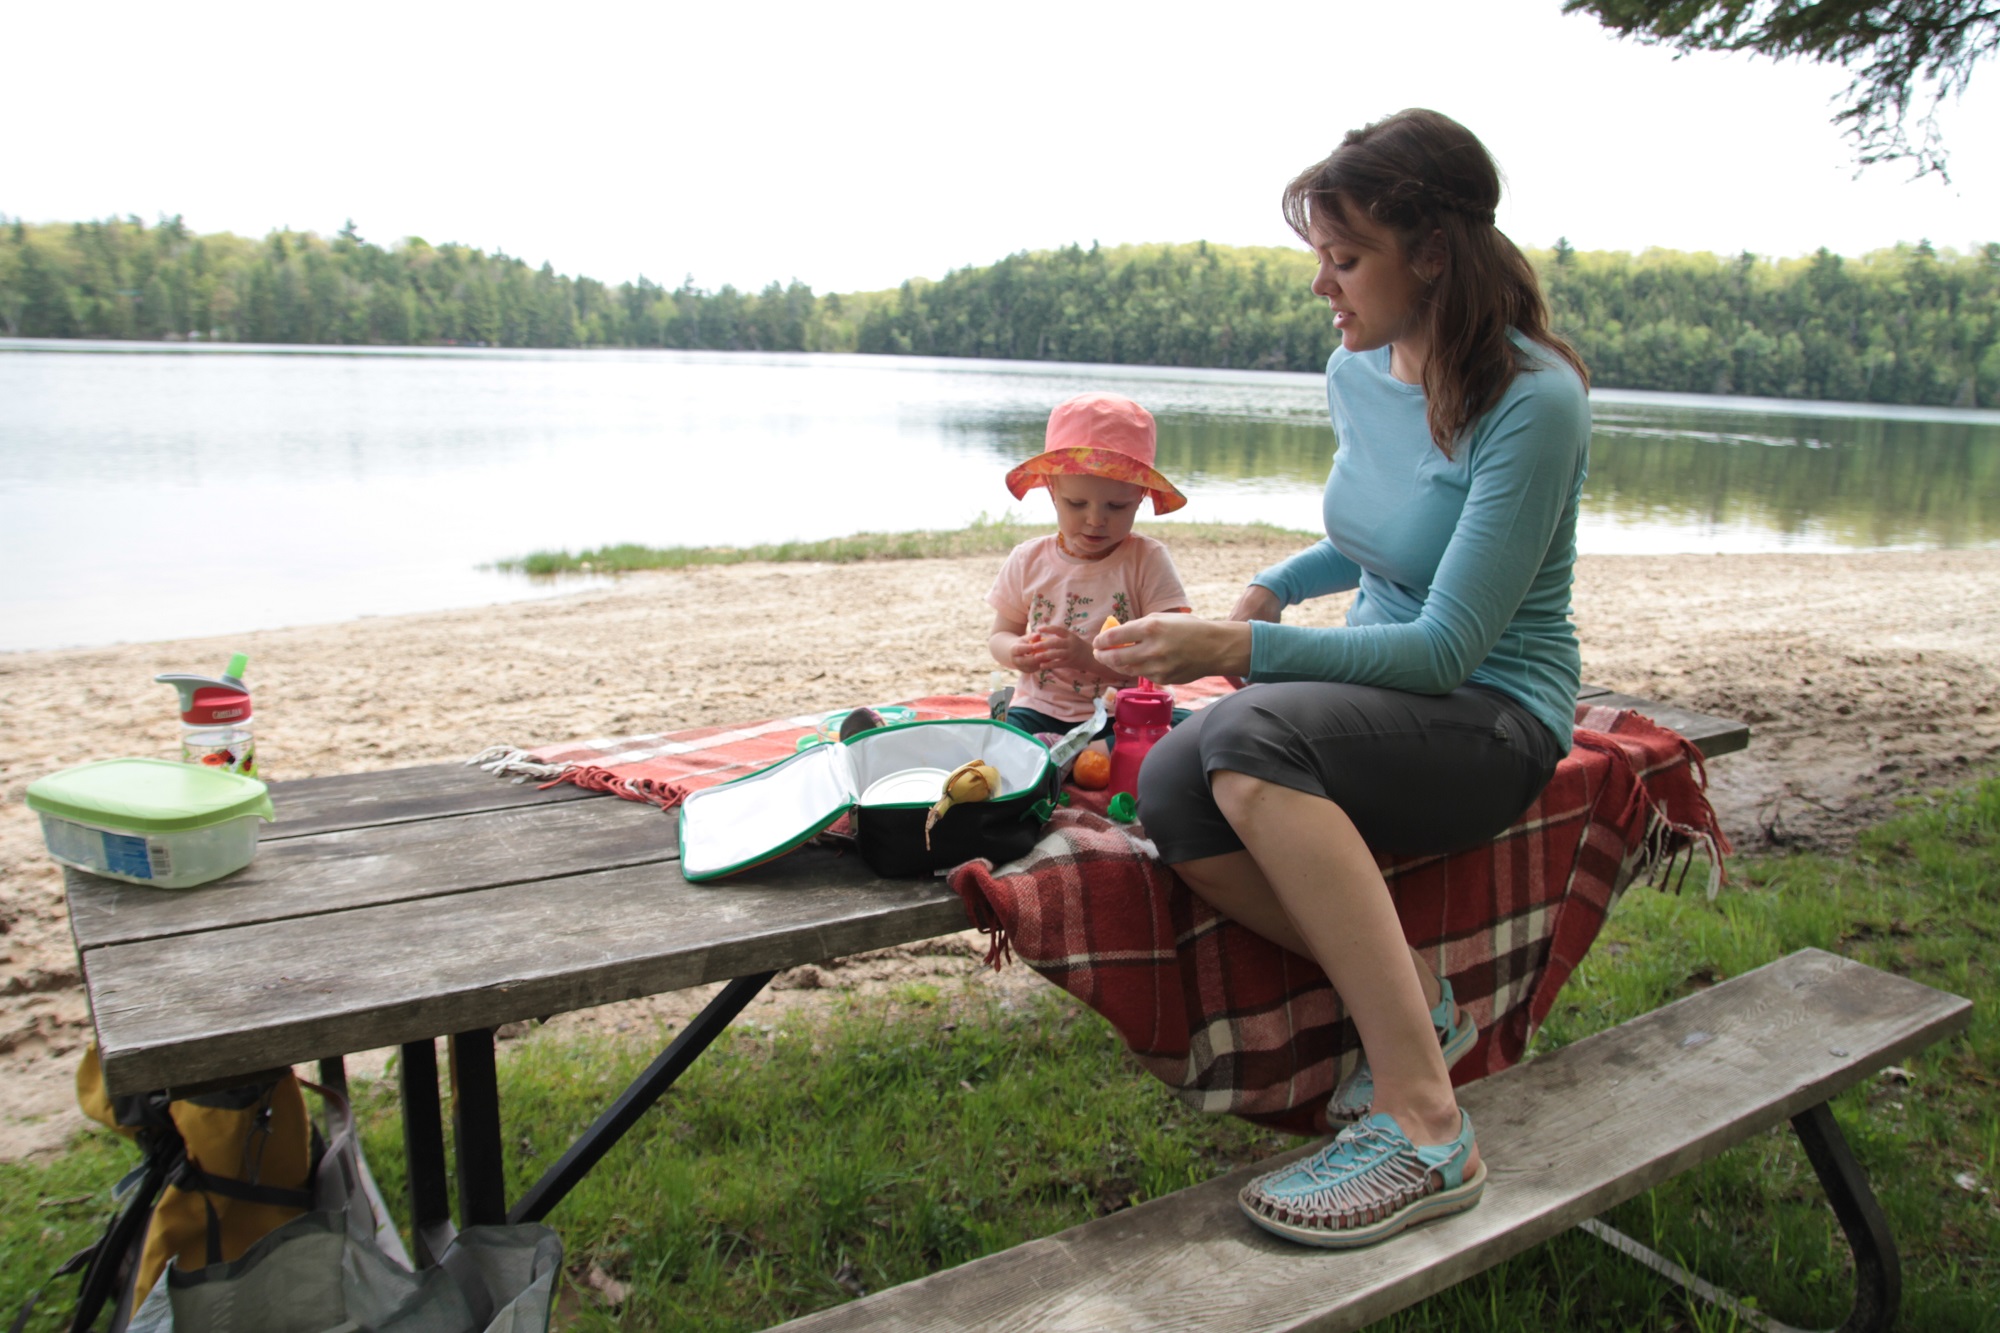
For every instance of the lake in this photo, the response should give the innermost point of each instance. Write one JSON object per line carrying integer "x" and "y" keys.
{"x": 150, "y": 491}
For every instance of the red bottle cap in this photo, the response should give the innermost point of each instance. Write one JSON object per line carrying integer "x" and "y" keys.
{"x": 1145, "y": 708}
{"x": 217, "y": 707}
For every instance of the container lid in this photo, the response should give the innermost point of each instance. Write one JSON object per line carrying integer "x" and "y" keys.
{"x": 215, "y": 706}
{"x": 906, "y": 786}
{"x": 149, "y": 795}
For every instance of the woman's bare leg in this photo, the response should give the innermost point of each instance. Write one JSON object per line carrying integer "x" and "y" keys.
{"x": 1323, "y": 881}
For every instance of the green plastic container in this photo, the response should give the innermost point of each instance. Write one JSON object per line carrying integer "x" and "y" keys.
{"x": 149, "y": 821}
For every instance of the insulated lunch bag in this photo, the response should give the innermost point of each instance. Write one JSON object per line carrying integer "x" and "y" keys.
{"x": 889, "y": 777}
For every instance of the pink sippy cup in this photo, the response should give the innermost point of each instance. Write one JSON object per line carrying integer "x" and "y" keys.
{"x": 1145, "y": 711}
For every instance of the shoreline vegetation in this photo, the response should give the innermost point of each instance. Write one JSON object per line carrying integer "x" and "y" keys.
{"x": 1911, "y": 325}
{"x": 983, "y": 536}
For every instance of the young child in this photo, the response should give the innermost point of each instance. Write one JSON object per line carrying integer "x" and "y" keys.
{"x": 1054, "y": 593}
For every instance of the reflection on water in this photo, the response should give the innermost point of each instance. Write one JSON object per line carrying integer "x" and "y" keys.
{"x": 1680, "y": 474}
{"x": 150, "y": 492}
{"x": 1849, "y": 482}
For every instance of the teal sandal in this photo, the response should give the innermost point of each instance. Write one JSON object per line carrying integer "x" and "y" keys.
{"x": 1368, "y": 1184}
{"x": 1457, "y": 1033}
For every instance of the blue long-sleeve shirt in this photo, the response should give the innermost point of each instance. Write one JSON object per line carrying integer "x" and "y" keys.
{"x": 1463, "y": 563}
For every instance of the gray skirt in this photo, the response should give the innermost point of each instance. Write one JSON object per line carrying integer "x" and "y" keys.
{"x": 1419, "y": 774}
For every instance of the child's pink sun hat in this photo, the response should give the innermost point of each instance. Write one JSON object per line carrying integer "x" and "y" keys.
{"x": 1099, "y": 435}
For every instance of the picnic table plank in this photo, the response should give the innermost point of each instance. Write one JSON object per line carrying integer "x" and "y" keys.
{"x": 401, "y": 795}
{"x": 1566, "y": 1136}
{"x": 329, "y": 873}
{"x": 1711, "y": 735}
{"x": 226, "y": 1002}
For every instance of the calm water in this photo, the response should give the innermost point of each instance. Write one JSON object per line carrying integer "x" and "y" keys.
{"x": 150, "y": 492}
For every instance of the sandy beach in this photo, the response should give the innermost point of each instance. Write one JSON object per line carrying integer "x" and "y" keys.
{"x": 1864, "y": 678}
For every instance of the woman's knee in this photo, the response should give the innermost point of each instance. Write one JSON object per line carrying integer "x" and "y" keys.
{"x": 1234, "y": 792}
{"x": 1210, "y": 876}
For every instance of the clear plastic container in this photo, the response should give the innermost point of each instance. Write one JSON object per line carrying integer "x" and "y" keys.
{"x": 149, "y": 821}
{"x": 177, "y": 860}
{"x": 231, "y": 748}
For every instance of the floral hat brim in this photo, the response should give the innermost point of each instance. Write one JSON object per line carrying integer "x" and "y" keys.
{"x": 1087, "y": 461}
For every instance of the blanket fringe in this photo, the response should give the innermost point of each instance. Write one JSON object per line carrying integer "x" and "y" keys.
{"x": 590, "y": 777}
{"x": 1667, "y": 847}
{"x": 1668, "y": 853}
{"x": 999, "y": 949}
{"x": 510, "y": 761}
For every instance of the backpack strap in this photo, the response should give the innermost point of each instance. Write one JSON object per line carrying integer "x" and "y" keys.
{"x": 114, "y": 1258}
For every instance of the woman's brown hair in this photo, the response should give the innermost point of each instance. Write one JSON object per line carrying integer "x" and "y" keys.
{"x": 1429, "y": 180}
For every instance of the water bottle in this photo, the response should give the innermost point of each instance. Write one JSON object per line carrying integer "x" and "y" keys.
{"x": 215, "y": 718}
{"x": 1145, "y": 711}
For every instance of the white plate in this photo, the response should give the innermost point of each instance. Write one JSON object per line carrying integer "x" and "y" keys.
{"x": 906, "y": 785}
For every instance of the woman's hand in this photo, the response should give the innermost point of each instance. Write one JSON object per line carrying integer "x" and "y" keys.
{"x": 1257, "y": 602}
{"x": 1172, "y": 648}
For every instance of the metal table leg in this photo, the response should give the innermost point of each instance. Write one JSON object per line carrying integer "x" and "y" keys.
{"x": 622, "y": 1114}
{"x": 1878, "y": 1270}
{"x": 475, "y": 1129}
{"x": 423, "y": 1152}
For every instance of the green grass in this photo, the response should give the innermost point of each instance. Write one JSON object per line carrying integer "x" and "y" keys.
{"x": 1920, "y": 896}
{"x": 983, "y": 536}
{"x": 898, "y": 1136}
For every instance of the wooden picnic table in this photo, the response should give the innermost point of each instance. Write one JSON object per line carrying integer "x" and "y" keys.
{"x": 393, "y": 908}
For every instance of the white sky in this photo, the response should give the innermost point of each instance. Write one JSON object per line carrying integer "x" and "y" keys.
{"x": 851, "y": 146}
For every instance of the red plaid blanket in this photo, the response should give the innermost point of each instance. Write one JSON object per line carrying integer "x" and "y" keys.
{"x": 662, "y": 768}
{"x": 1231, "y": 1022}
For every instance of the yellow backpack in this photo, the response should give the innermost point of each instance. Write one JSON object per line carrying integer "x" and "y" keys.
{"x": 221, "y": 1171}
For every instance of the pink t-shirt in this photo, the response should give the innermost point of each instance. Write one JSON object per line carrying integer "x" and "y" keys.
{"x": 1042, "y": 587}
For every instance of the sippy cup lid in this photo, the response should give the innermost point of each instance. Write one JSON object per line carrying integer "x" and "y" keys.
{"x": 215, "y": 706}
{"x": 1142, "y": 707}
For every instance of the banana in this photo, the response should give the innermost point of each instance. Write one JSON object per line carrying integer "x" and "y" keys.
{"x": 973, "y": 780}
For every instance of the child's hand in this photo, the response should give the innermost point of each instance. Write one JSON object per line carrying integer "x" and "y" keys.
{"x": 1025, "y": 654}
{"x": 1061, "y": 649}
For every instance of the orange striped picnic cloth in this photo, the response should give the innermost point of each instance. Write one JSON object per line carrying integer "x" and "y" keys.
{"x": 663, "y": 768}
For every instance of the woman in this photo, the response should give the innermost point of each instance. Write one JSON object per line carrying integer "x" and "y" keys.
{"x": 1431, "y": 720}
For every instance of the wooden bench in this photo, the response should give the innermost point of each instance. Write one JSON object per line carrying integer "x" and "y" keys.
{"x": 392, "y": 908}
{"x": 1565, "y": 1136}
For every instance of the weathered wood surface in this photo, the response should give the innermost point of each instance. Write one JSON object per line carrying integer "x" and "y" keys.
{"x": 328, "y": 873}
{"x": 401, "y": 795}
{"x": 1565, "y": 1136}
{"x": 225, "y": 1001}
{"x": 1711, "y": 735}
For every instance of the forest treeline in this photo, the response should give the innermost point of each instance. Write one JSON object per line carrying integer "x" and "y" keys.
{"x": 1907, "y": 325}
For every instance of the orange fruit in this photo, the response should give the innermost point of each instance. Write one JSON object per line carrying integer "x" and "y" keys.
{"x": 1092, "y": 771}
